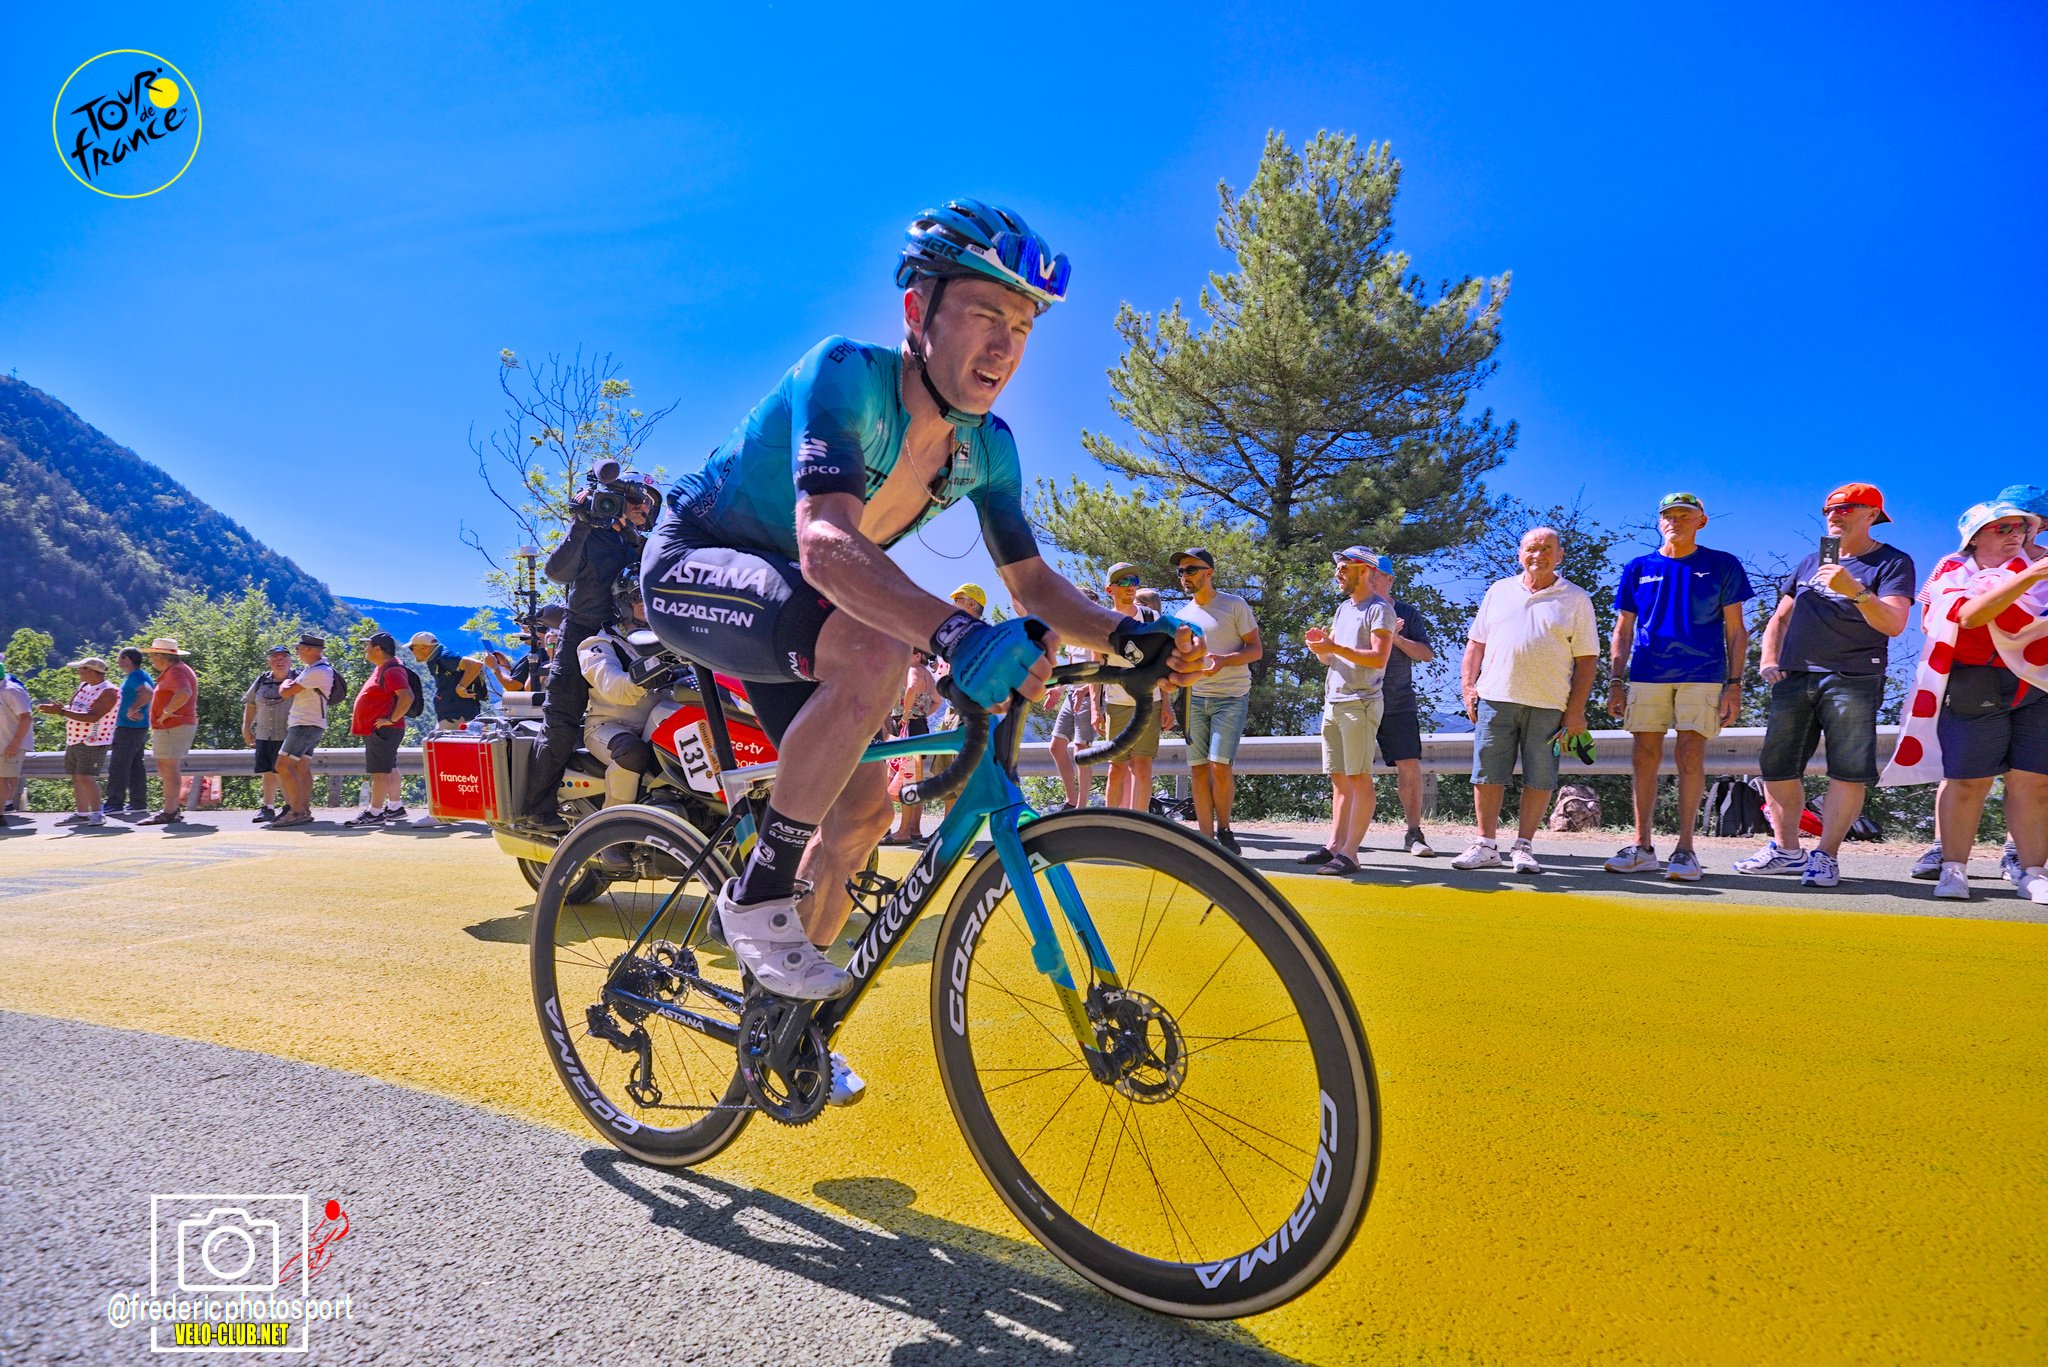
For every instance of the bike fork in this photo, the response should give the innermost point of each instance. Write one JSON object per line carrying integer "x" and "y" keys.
{"x": 1046, "y": 954}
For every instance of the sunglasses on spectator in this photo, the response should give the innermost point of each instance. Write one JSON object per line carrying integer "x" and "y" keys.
{"x": 1185, "y": 570}
{"x": 1834, "y": 508}
{"x": 2007, "y": 528}
{"x": 1127, "y": 581}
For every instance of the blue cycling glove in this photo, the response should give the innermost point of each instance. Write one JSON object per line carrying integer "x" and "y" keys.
{"x": 988, "y": 660}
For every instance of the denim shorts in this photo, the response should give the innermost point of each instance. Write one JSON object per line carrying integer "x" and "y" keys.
{"x": 1808, "y": 704}
{"x": 1072, "y": 723}
{"x": 1215, "y": 725}
{"x": 1510, "y": 729}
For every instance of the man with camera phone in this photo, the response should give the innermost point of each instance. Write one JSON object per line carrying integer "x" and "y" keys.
{"x": 608, "y": 518}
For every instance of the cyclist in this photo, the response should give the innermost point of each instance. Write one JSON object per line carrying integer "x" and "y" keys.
{"x": 770, "y": 564}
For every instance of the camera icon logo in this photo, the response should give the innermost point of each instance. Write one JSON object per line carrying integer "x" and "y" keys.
{"x": 227, "y": 1249}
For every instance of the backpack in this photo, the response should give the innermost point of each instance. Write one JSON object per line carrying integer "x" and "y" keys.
{"x": 419, "y": 696}
{"x": 1735, "y": 806}
{"x": 336, "y": 695}
{"x": 1865, "y": 827}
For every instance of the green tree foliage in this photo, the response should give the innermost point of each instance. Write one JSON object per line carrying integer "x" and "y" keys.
{"x": 1325, "y": 403}
{"x": 566, "y": 418}
{"x": 96, "y": 538}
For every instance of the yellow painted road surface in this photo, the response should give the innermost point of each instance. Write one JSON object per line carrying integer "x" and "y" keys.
{"x": 1613, "y": 1132}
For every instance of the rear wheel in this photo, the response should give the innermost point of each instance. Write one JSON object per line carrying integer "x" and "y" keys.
{"x": 585, "y": 888}
{"x": 651, "y": 1085}
{"x": 1216, "y": 1155}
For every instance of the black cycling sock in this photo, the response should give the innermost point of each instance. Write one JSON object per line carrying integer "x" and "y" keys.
{"x": 771, "y": 869}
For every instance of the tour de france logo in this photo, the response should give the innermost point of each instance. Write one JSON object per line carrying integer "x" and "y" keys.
{"x": 126, "y": 123}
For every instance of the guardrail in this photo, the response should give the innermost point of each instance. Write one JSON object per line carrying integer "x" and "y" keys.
{"x": 1735, "y": 751}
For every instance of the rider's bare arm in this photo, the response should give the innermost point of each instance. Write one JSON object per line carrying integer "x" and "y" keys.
{"x": 857, "y": 575}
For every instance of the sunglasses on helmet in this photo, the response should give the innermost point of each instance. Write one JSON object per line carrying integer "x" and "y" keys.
{"x": 1024, "y": 257}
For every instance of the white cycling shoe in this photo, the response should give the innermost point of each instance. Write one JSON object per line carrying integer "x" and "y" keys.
{"x": 769, "y": 941}
{"x": 848, "y": 1087}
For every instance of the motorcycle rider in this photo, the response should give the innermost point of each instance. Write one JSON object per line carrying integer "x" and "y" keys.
{"x": 616, "y": 728}
{"x": 588, "y": 561}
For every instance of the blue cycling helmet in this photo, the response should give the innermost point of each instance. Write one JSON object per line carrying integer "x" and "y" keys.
{"x": 968, "y": 239}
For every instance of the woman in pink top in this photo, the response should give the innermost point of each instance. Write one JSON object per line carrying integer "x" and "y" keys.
{"x": 173, "y": 721}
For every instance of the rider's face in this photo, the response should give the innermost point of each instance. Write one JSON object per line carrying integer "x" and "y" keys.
{"x": 976, "y": 341}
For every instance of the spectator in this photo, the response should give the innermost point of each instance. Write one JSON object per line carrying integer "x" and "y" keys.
{"x": 265, "y": 718}
{"x": 1221, "y": 699}
{"x": 1112, "y": 707}
{"x": 971, "y": 599}
{"x": 531, "y": 669}
{"x": 173, "y": 721}
{"x": 1400, "y": 734}
{"x": 17, "y": 735}
{"x": 379, "y": 718}
{"x": 1528, "y": 670}
{"x": 88, "y": 732}
{"x": 1355, "y": 650}
{"x": 127, "y": 780}
{"x": 1825, "y": 651}
{"x": 311, "y": 689}
{"x": 913, "y": 718}
{"x": 1977, "y": 709}
{"x": 458, "y": 681}
{"x": 1678, "y": 612}
{"x": 2032, "y": 500}
{"x": 1073, "y": 726}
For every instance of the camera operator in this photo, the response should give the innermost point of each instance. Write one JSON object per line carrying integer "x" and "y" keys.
{"x": 530, "y": 671}
{"x": 615, "y": 731}
{"x": 609, "y": 517}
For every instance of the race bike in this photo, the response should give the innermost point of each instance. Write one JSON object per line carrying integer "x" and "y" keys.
{"x": 1149, "y": 1054}
{"x": 479, "y": 773}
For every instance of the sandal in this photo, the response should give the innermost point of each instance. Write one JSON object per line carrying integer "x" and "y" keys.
{"x": 1339, "y": 866}
{"x": 1321, "y": 854}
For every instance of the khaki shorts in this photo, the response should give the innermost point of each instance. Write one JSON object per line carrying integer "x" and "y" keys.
{"x": 1120, "y": 715}
{"x": 1661, "y": 707}
{"x": 172, "y": 742}
{"x": 1349, "y": 730}
{"x": 10, "y": 765}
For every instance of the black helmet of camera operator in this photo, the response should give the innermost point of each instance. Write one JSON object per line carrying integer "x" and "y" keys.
{"x": 626, "y": 592}
{"x": 640, "y": 487}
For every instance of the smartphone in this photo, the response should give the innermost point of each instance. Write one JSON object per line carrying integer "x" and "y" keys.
{"x": 1831, "y": 550}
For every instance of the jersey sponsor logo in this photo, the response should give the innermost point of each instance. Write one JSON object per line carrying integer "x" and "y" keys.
{"x": 715, "y": 613}
{"x": 754, "y": 579}
{"x": 840, "y": 352}
{"x": 1214, "y": 1275}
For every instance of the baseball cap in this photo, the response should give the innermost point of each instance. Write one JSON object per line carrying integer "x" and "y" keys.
{"x": 1980, "y": 515}
{"x": 1680, "y": 500}
{"x": 1200, "y": 553}
{"x": 1364, "y": 555}
{"x": 1120, "y": 567}
{"x": 89, "y": 662}
{"x": 278, "y": 650}
{"x": 1865, "y": 494}
{"x": 424, "y": 638}
{"x": 973, "y": 591}
{"x": 384, "y": 641}
{"x": 2030, "y": 498}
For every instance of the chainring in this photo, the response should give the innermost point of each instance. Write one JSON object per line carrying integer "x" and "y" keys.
{"x": 795, "y": 1092}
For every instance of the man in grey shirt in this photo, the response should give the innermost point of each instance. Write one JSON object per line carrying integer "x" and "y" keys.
{"x": 1355, "y": 649}
{"x": 264, "y": 714}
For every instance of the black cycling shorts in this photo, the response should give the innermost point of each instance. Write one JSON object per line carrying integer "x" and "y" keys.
{"x": 743, "y": 612}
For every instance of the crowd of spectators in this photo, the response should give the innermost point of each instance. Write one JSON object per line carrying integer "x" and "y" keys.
{"x": 1677, "y": 657}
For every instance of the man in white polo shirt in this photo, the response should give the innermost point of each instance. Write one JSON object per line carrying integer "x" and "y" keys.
{"x": 1528, "y": 671}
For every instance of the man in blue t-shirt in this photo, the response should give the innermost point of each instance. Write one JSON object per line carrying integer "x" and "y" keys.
{"x": 1824, "y": 656}
{"x": 1678, "y": 652}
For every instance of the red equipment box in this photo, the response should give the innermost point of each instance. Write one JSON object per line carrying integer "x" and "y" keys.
{"x": 469, "y": 776}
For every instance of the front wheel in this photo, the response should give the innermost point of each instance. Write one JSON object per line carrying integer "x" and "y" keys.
{"x": 1215, "y": 1155}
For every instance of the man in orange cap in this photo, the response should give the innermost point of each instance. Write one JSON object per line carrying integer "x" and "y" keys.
{"x": 1824, "y": 655}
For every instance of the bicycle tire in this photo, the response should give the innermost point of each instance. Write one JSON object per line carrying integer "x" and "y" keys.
{"x": 619, "y": 1120}
{"x": 1265, "y": 1272}
{"x": 586, "y": 887}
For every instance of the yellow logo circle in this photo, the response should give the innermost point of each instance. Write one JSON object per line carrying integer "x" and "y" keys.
{"x": 124, "y": 122}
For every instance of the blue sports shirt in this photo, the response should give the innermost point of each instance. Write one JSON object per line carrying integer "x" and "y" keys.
{"x": 1678, "y": 603}
{"x": 835, "y": 424}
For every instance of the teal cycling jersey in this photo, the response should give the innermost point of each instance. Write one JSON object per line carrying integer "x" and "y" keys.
{"x": 835, "y": 424}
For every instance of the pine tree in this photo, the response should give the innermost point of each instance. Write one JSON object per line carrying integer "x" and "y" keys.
{"x": 1325, "y": 404}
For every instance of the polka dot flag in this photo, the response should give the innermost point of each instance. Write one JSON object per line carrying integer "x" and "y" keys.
{"x": 2020, "y": 634}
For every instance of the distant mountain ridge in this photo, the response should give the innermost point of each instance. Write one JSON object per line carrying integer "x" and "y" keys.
{"x": 93, "y": 537}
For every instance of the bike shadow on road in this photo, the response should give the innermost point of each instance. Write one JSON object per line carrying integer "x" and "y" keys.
{"x": 986, "y": 1298}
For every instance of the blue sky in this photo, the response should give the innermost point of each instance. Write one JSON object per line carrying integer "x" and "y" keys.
{"x": 1756, "y": 252}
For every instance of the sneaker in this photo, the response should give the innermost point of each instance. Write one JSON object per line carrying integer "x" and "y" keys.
{"x": 75, "y": 819}
{"x": 769, "y": 941}
{"x": 1418, "y": 844}
{"x": 94, "y": 819}
{"x": 1774, "y": 858}
{"x": 1480, "y": 854}
{"x": 1522, "y": 859}
{"x": 265, "y": 814}
{"x": 1634, "y": 859}
{"x": 847, "y": 1086}
{"x": 547, "y": 823}
{"x": 1954, "y": 884}
{"x": 1227, "y": 839}
{"x": 1821, "y": 870}
{"x": 1320, "y": 855}
{"x": 2009, "y": 866}
{"x": 1682, "y": 867}
{"x": 1928, "y": 865}
{"x": 291, "y": 818}
{"x": 395, "y": 814}
{"x": 365, "y": 818}
{"x": 2033, "y": 885}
